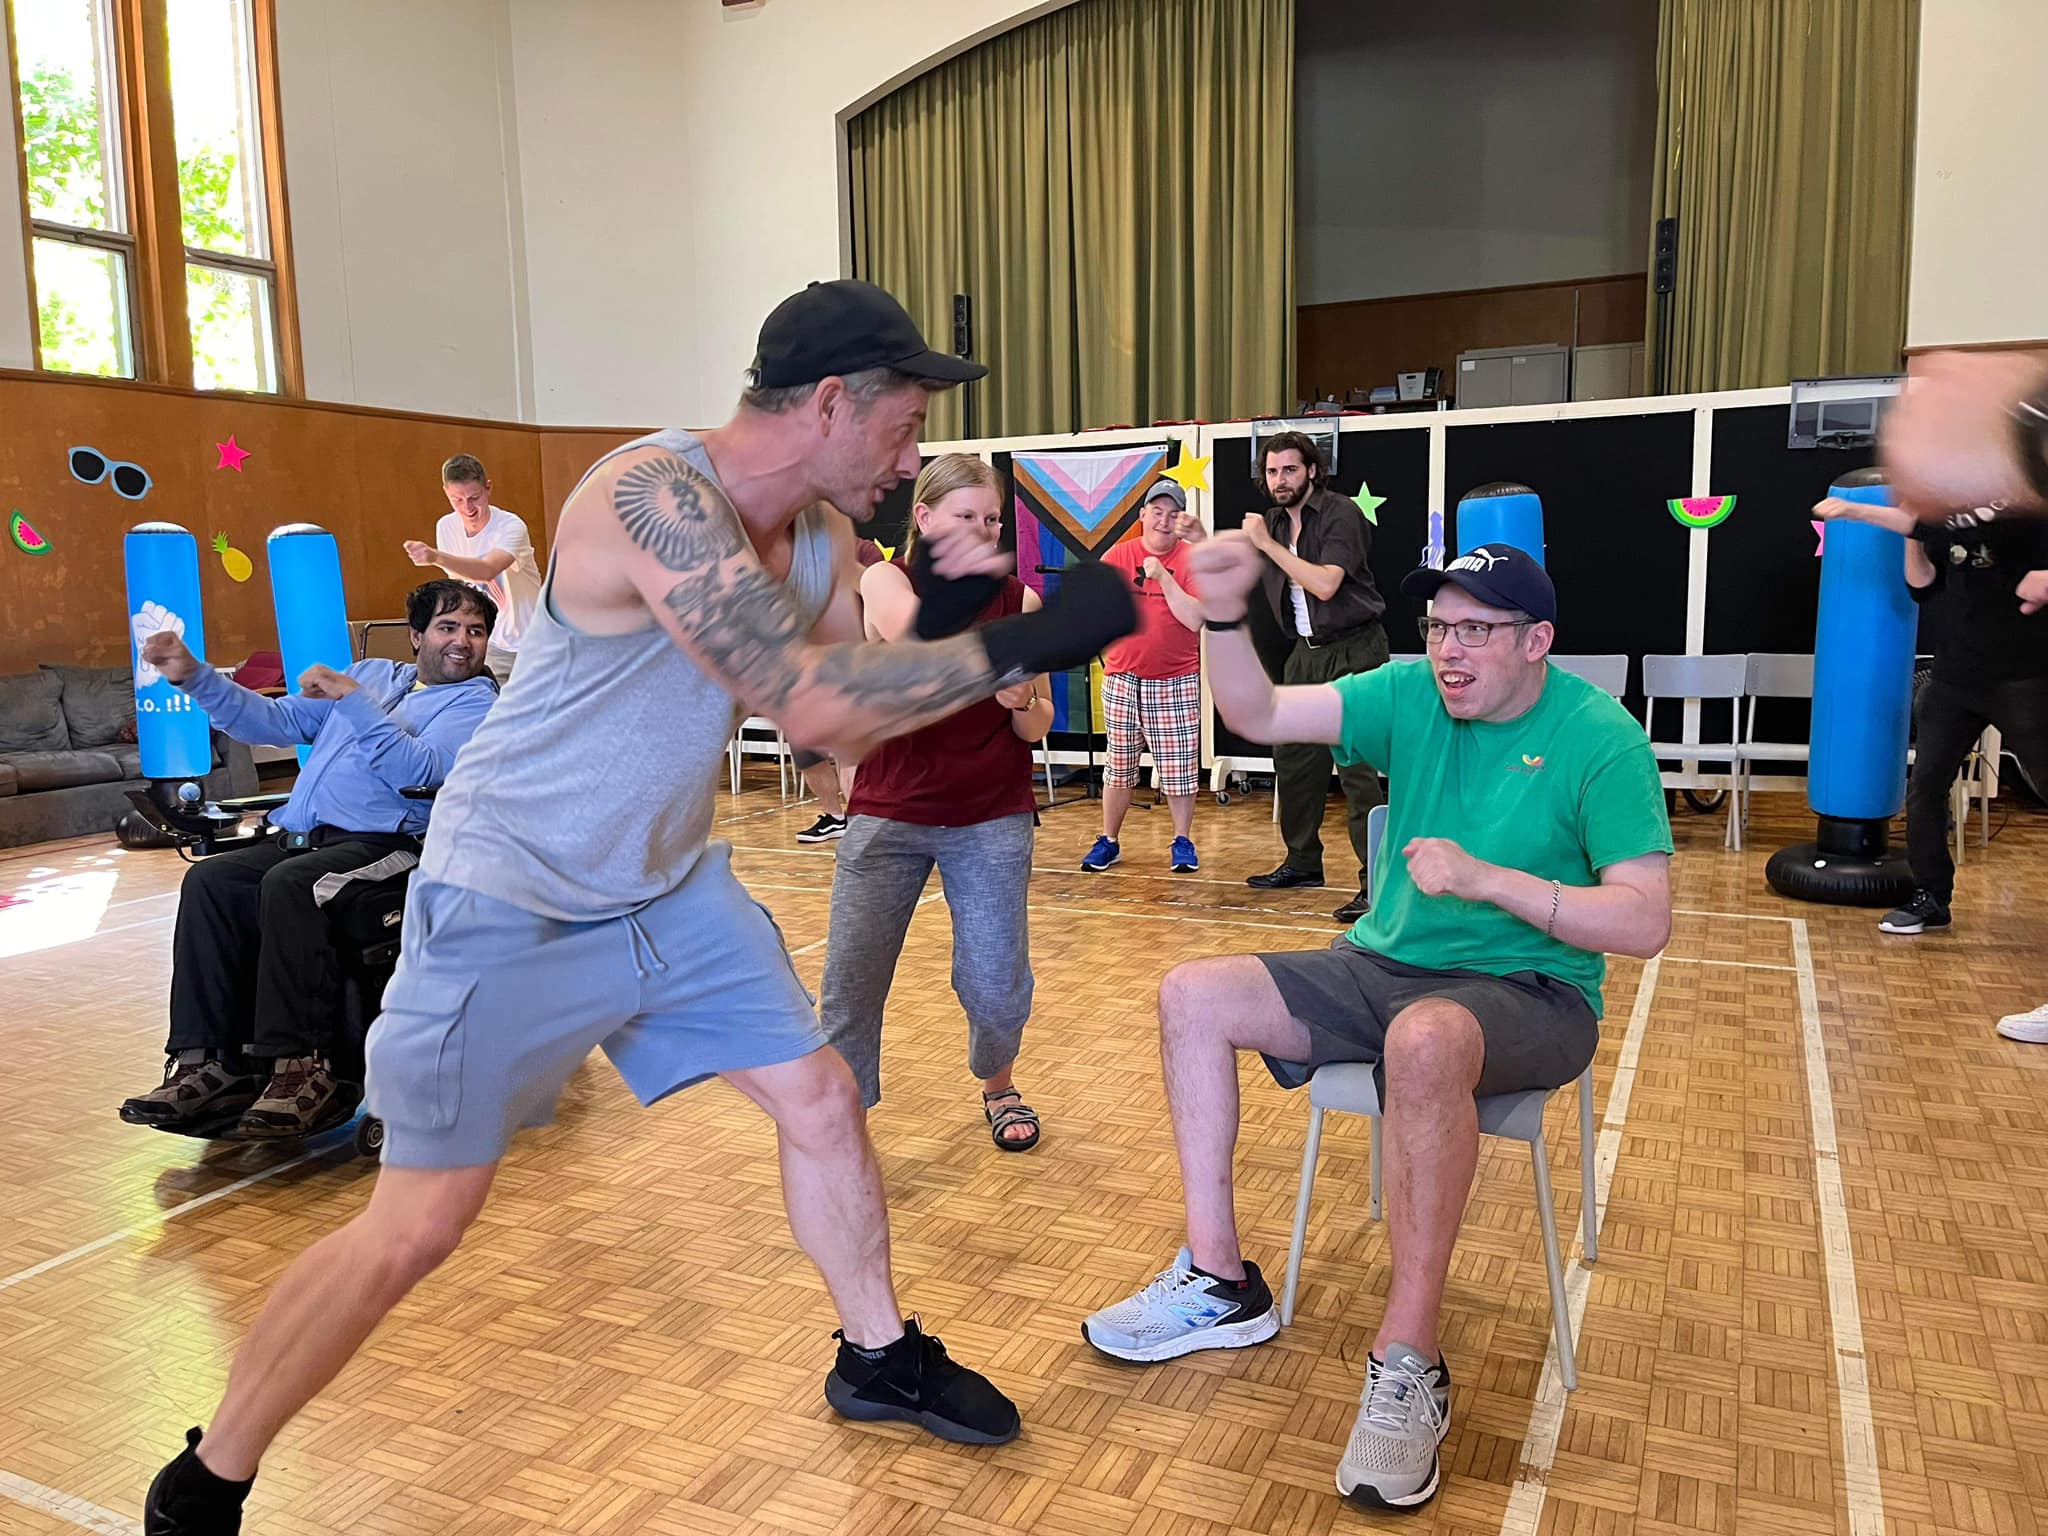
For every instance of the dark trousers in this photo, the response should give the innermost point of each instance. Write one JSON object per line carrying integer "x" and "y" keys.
{"x": 1951, "y": 717}
{"x": 1302, "y": 769}
{"x": 256, "y": 972}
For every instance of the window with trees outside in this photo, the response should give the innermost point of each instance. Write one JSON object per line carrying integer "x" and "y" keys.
{"x": 150, "y": 154}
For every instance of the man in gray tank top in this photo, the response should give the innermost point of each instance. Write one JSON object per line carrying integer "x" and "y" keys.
{"x": 569, "y": 897}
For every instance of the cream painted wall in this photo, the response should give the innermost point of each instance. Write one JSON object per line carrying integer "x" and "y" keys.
{"x": 516, "y": 209}
{"x": 17, "y": 309}
{"x": 402, "y": 165}
{"x": 1980, "y": 216}
{"x": 680, "y": 168}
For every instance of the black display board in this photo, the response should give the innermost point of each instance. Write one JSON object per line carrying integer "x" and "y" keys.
{"x": 892, "y": 517}
{"x": 1616, "y": 555}
{"x": 1396, "y": 465}
{"x": 1763, "y": 579}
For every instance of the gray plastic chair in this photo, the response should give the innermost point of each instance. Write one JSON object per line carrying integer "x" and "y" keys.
{"x": 1354, "y": 1088}
{"x": 1607, "y": 673}
{"x": 1770, "y": 675}
{"x": 1699, "y": 677}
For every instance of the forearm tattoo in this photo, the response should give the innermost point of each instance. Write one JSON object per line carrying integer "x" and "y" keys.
{"x": 741, "y": 619}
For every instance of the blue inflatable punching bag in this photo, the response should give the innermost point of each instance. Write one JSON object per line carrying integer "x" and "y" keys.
{"x": 1501, "y": 513}
{"x": 1862, "y": 709}
{"x": 305, "y": 589}
{"x": 172, "y": 733}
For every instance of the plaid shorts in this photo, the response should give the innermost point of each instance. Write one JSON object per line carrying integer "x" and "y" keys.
{"x": 1163, "y": 714}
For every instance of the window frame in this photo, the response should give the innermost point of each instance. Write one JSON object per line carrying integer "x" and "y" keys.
{"x": 154, "y": 245}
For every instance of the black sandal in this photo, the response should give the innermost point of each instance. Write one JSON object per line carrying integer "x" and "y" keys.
{"x": 1000, "y": 1120}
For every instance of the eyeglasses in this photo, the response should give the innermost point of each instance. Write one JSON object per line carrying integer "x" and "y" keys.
{"x": 1472, "y": 633}
{"x": 130, "y": 481}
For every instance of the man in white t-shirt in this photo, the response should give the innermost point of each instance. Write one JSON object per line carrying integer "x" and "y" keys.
{"x": 487, "y": 547}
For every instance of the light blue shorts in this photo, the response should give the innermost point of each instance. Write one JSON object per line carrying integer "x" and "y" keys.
{"x": 492, "y": 1007}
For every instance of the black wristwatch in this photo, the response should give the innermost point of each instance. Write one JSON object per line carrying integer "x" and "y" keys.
{"x": 1224, "y": 624}
{"x": 2030, "y": 429}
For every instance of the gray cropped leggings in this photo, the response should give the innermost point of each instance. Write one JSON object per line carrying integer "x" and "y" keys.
{"x": 882, "y": 869}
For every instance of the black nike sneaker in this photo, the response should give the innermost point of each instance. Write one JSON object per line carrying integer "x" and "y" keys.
{"x": 915, "y": 1380}
{"x": 186, "y": 1499}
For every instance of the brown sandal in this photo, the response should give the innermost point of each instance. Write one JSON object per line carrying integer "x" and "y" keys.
{"x": 1000, "y": 1120}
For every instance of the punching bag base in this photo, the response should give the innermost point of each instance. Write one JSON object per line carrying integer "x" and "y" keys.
{"x": 1805, "y": 873}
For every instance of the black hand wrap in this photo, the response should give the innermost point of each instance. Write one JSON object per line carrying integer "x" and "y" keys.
{"x": 946, "y": 606}
{"x": 1094, "y": 607}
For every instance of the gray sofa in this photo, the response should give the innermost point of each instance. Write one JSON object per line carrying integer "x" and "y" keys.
{"x": 68, "y": 755}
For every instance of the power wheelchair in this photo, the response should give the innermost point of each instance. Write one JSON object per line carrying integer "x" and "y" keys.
{"x": 366, "y": 916}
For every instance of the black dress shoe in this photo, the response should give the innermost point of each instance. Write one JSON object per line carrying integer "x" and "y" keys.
{"x": 1353, "y": 909}
{"x": 1285, "y": 878}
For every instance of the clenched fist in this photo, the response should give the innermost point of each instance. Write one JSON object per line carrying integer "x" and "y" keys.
{"x": 318, "y": 682}
{"x": 1439, "y": 867}
{"x": 1225, "y": 569}
{"x": 166, "y": 651}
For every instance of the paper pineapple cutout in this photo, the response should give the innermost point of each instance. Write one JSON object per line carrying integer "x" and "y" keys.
{"x": 232, "y": 560}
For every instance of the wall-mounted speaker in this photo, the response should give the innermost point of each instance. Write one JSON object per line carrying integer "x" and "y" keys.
{"x": 963, "y": 325}
{"x": 1665, "y": 276}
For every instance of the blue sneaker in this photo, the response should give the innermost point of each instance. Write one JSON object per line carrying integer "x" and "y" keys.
{"x": 1102, "y": 855}
{"x": 1183, "y": 858}
{"x": 1182, "y": 1311}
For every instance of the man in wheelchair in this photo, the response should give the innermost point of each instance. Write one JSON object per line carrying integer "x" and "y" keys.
{"x": 257, "y": 986}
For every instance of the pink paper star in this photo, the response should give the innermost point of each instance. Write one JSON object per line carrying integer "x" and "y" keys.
{"x": 231, "y": 454}
{"x": 1820, "y": 537}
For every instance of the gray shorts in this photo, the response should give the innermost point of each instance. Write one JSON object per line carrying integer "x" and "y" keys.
{"x": 492, "y": 1008}
{"x": 1539, "y": 1031}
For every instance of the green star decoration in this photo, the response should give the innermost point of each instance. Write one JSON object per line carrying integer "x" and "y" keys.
{"x": 1369, "y": 504}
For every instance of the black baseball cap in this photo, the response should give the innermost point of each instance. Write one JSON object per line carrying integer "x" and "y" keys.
{"x": 1499, "y": 575}
{"x": 841, "y": 327}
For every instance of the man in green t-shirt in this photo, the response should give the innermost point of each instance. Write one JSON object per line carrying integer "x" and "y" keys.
{"x": 1526, "y": 838}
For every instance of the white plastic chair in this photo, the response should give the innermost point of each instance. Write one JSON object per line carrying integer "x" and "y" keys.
{"x": 1770, "y": 675}
{"x": 1683, "y": 678}
{"x": 755, "y": 746}
{"x": 1608, "y": 673}
{"x": 1354, "y": 1088}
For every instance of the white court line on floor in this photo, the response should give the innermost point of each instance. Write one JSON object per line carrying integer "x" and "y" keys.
{"x": 1861, "y": 1484}
{"x": 1744, "y": 965}
{"x": 159, "y": 1219}
{"x": 1852, "y": 1379}
{"x": 1052, "y": 869}
{"x": 78, "y": 1512}
{"x": 1546, "y": 1418}
{"x": 1736, "y": 917}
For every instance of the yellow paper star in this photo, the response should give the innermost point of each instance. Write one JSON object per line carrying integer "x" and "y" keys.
{"x": 1369, "y": 504}
{"x": 1191, "y": 473}
{"x": 888, "y": 551}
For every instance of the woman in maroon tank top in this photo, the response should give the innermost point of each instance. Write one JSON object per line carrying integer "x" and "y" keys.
{"x": 956, "y": 795}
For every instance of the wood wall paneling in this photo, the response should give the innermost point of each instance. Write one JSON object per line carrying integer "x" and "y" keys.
{"x": 1366, "y": 342}
{"x": 565, "y": 453}
{"x": 372, "y": 477}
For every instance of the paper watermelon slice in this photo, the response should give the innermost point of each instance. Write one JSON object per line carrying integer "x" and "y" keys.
{"x": 1701, "y": 511}
{"x": 26, "y": 539}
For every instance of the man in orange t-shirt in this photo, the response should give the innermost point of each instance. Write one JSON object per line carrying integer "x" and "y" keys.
{"x": 1152, "y": 683}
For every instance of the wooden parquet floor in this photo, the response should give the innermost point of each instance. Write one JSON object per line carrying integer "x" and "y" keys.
{"x": 631, "y": 1342}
